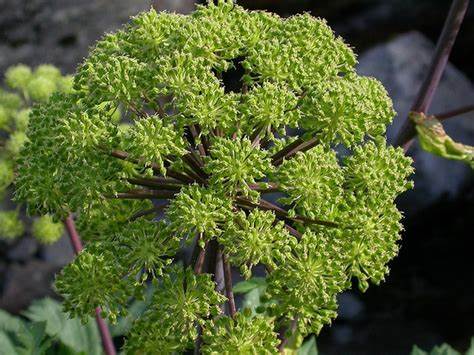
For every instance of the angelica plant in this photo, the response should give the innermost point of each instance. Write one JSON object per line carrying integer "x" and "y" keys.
{"x": 208, "y": 165}
{"x": 26, "y": 87}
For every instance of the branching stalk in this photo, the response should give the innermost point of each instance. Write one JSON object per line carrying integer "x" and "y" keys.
{"x": 280, "y": 212}
{"x": 438, "y": 64}
{"x": 107, "y": 342}
{"x": 144, "y": 194}
{"x": 146, "y": 212}
{"x": 302, "y": 147}
{"x": 228, "y": 286}
{"x": 460, "y": 111}
{"x": 155, "y": 184}
{"x": 200, "y": 259}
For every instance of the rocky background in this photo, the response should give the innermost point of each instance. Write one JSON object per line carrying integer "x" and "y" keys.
{"x": 427, "y": 299}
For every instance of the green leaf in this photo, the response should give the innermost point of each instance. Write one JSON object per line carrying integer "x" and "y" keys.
{"x": 417, "y": 351}
{"x": 249, "y": 285}
{"x": 253, "y": 298}
{"x": 309, "y": 347}
{"x": 35, "y": 340}
{"x": 434, "y": 139}
{"x": 9, "y": 323}
{"x": 6, "y": 345}
{"x": 18, "y": 337}
{"x": 444, "y": 349}
{"x": 136, "y": 309}
{"x": 71, "y": 332}
{"x": 470, "y": 351}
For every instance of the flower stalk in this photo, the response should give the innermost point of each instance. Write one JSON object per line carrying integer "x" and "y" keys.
{"x": 433, "y": 76}
{"x": 105, "y": 336}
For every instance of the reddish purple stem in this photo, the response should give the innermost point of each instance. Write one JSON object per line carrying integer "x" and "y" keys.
{"x": 443, "y": 49}
{"x": 228, "y": 286}
{"x": 107, "y": 342}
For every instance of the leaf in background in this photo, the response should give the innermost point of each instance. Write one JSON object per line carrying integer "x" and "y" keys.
{"x": 309, "y": 347}
{"x": 135, "y": 310}
{"x": 6, "y": 344}
{"x": 34, "y": 341}
{"x": 252, "y": 299}
{"x": 443, "y": 349}
{"x": 470, "y": 351}
{"x": 10, "y": 323}
{"x": 417, "y": 351}
{"x": 71, "y": 332}
{"x": 249, "y": 285}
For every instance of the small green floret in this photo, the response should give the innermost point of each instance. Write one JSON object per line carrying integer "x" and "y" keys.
{"x": 93, "y": 280}
{"x": 9, "y": 100}
{"x": 18, "y": 76}
{"x": 235, "y": 164}
{"x": 15, "y": 143}
{"x": 255, "y": 239}
{"x": 4, "y": 118}
{"x": 46, "y": 230}
{"x": 10, "y": 225}
{"x": 181, "y": 301}
{"x": 144, "y": 248}
{"x": 239, "y": 335}
{"x": 6, "y": 174}
{"x": 307, "y": 282}
{"x": 198, "y": 210}
{"x": 47, "y": 71}
{"x": 22, "y": 119}
{"x": 40, "y": 88}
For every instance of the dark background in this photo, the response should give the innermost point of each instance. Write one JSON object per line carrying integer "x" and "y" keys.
{"x": 426, "y": 299}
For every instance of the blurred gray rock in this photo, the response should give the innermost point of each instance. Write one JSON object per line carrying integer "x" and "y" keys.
{"x": 61, "y": 31}
{"x": 342, "y": 334}
{"x": 350, "y": 307}
{"x": 59, "y": 253}
{"x": 24, "y": 249}
{"x": 24, "y": 283}
{"x": 401, "y": 65}
{"x": 181, "y": 6}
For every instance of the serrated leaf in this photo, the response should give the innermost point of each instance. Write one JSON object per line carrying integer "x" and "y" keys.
{"x": 470, "y": 351}
{"x": 6, "y": 345}
{"x": 34, "y": 340}
{"x": 444, "y": 349}
{"x": 10, "y": 323}
{"x": 136, "y": 309}
{"x": 71, "y": 332}
{"x": 417, "y": 351}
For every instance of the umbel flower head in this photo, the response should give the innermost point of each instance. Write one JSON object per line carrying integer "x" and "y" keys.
{"x": 25, "y": 88}
{"x": 217, "y": 157}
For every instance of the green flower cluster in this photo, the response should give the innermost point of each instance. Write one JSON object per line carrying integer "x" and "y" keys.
{"x": 239, "y": 335}
{"x": 25, "y": 88}
{"x": 182, "y": 301}
{"x": 10, "y": 225}
{"x": 46, "y": 230}
{"x": 222, "y": 173}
